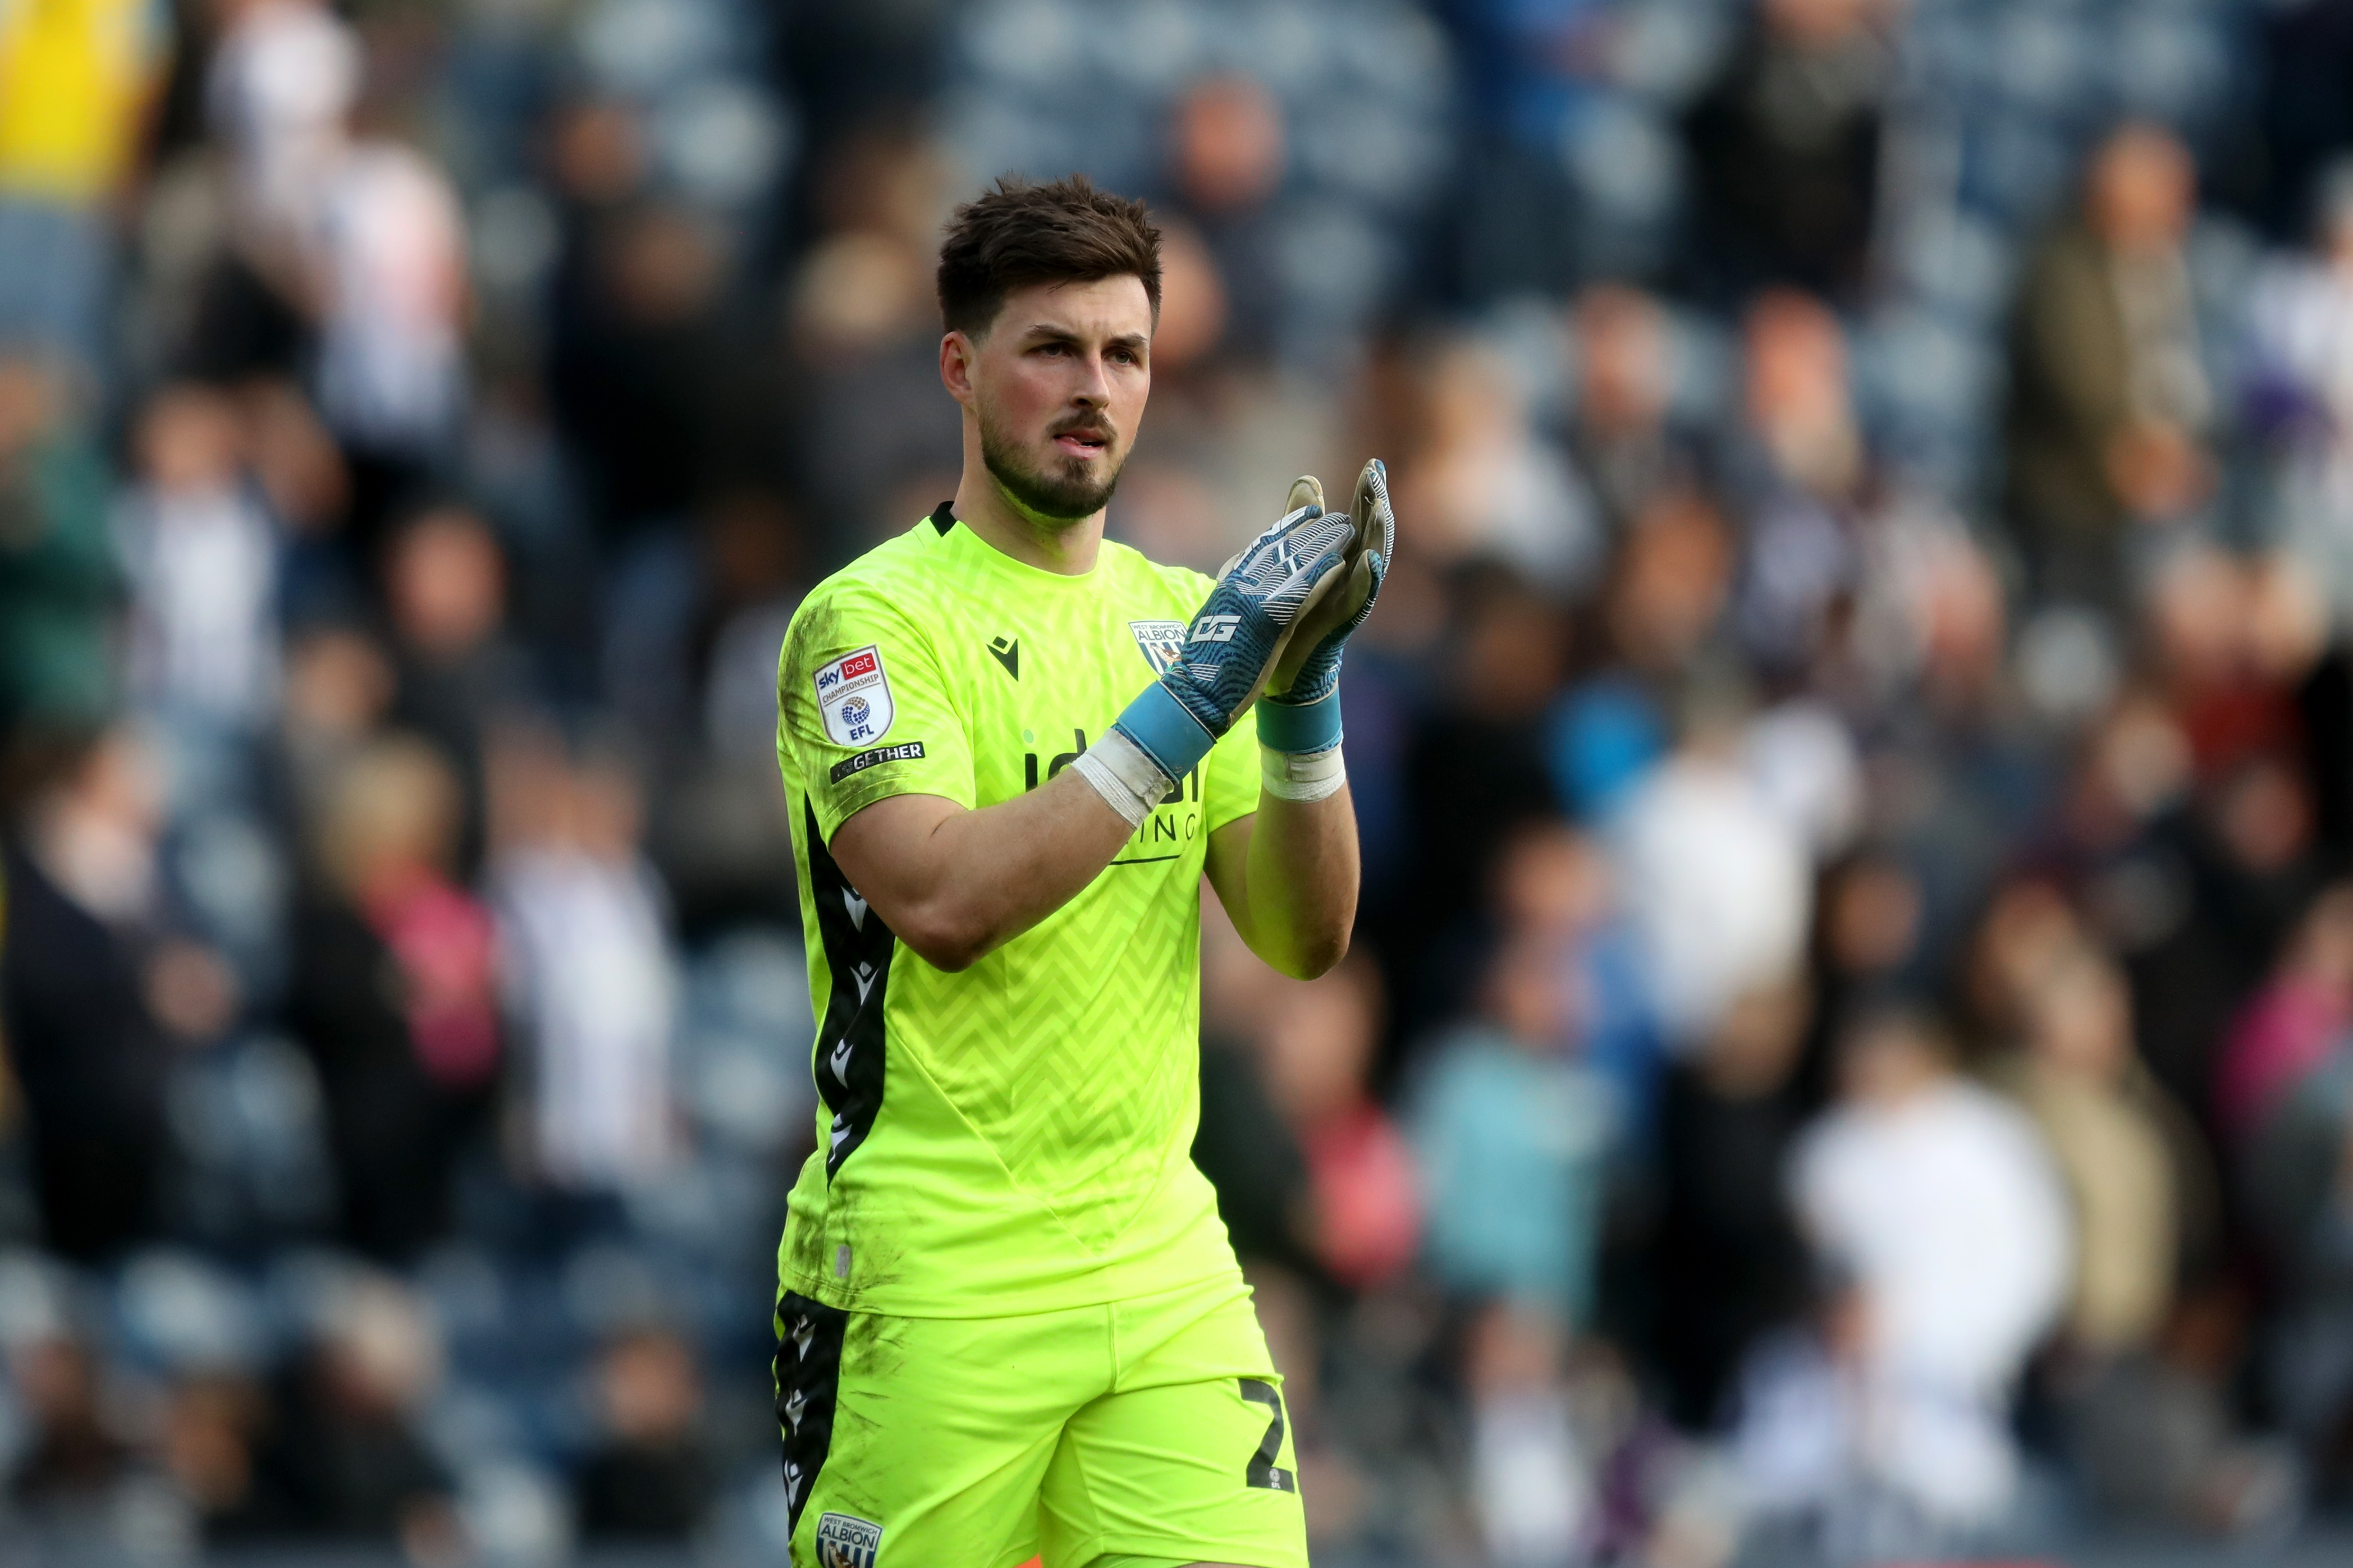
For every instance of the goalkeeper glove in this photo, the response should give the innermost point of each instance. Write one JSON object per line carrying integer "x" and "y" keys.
{"x": 1237, "y": 636}
{"x": 1301, "y": 710}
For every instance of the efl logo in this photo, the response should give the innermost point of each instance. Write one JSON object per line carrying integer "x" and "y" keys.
{"x": 853, "y": 695}
{"x": 1216, "y": 628}
{"x": 843, "y": 1541}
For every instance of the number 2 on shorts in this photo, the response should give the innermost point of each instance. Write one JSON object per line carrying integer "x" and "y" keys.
{"x": 1262, "y": 1471}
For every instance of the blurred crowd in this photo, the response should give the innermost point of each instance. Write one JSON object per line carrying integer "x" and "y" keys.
{"x": 1848, "y": 1048}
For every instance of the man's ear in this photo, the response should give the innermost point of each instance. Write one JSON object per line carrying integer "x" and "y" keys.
{"x": 957, "y": 354}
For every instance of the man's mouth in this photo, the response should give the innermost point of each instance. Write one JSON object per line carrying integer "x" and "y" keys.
{"x": 1083, "y": 442}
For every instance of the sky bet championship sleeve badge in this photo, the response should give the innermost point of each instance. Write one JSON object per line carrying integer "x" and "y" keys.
{"x": 1163, "y": 642}
{"x": 846, "y": 1542}
{"x": 854, "y": 695}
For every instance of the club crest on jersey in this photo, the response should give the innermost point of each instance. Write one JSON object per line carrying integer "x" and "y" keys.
{"x": 854, "y": 696}
{"x": 1163, "y": 642}
{"x": 843, "y": 1541}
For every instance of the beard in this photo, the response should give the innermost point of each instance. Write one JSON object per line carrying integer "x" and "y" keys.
{"x": 1061, "y": 491}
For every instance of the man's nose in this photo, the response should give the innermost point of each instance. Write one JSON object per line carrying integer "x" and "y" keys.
{"x": 1094, "y": 389}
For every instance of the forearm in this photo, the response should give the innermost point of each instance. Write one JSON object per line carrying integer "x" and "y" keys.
{"x": 1299, "y": 882}
{"x": 955, "y": 883}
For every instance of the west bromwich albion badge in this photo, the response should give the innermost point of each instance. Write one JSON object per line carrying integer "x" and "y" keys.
{"x": 843, "y": 1541}
{"x": 854, "y": 695}
{"x": 1163, "y": 642}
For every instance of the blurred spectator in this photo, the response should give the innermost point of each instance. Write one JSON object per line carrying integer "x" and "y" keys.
{"x": 347, "y": 1443}
{"x": 1227, "y": 153}
{"x": 201, "y": 555}
{"x": 79, "y": 1460}
{"x": 2109, "y": 405}
{"x": 1473, "y": 767}
{"x": 586, "y": 969}
{"x": 2296, "y": 1022}
{"x": 216, "y": 1426}
{"x": 1938, "y": 1204}
{"x": 75, "y": 86}
{"x": 1532, "y": 1490}
{"x": 649, "y": 1477}
{"x": 446, "y": 584}
{"x": 1514, "y": 1137}
{"x": 1622, "y": 433}
{"x": 389, "y": 274}
{"x": 1484, "y": 484}
{"x": 392, "y": 993}
{"x": 1786, "y": 148}
{"x": 57, "y": 571}
{"x": 283, "y": 77}
{"x": 1730, "y": 1265}
{"x": 83, "y": 911}
{"x": 1716, "y": 880}
{"x": 1797, "y": 470}
{"x": 1319, "y": 1047}
{"x": 2150, "y": 1431}
{"x": 2301, "y": 393}
{"x": 639, "y": 354}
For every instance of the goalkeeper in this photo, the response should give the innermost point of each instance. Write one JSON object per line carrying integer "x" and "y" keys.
{"x": 1008, "y": 1320}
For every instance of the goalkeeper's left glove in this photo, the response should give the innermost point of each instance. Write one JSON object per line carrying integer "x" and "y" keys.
{"x": 1301, "y": 710}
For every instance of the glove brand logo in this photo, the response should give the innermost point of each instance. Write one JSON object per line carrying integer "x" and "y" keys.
{"x": 1161, "y": 642}
{"x": 853, "y": 695}
{"x": 843, "y": 1541}
{"x": 1216, "y": 628}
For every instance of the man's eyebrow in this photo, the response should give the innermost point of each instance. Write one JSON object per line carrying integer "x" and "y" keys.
{"x": 1051, "y": 333}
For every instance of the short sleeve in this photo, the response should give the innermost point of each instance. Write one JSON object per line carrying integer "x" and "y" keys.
{"x": 1230, "y": 786}
{"x": 863, "y": 709}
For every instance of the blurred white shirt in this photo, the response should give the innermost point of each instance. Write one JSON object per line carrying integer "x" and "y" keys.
{"x": 391, "y": 252}
{"x": 202, "y": 566}
{"x": 1947, "y": 1212}
{"x": 589, "y": 972}
{"x": 1716, "y": 882}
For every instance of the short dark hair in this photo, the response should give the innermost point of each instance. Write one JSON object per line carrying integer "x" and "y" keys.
{"x": 1019, "y": 234}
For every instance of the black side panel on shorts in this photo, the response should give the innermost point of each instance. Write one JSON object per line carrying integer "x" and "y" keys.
{"x": 808, "y": 1375}
{"x": 848, "y": 1061}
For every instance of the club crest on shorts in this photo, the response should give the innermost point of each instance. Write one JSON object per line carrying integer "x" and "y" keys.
{"x": 843, "y": 1541}
{"x": 854, "y": 695}
{"x": 1163, "y": 642}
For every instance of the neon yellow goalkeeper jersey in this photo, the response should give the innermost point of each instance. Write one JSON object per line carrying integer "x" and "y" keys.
{"x": 1016, "y": 1137}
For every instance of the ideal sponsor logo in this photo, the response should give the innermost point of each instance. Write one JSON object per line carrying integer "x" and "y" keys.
{"x": 844, "y": 1542}
{"x": 853, "y": 696}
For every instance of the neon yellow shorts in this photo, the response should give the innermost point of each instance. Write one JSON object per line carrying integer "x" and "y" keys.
{"x": 1152, "y": 1428}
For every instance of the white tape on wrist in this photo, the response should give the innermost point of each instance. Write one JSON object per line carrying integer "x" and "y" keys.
{"x": 1301, "y": 775}
{"x": 1127, "y": 778}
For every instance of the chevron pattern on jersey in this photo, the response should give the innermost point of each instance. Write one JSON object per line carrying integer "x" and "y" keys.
{"x": 1040, "y": 1104}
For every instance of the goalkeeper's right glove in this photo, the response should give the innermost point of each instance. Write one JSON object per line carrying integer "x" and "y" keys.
{"x": 1236, "y": 638}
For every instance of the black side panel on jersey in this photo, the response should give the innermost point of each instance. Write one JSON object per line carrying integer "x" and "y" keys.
{"x": 848, "y": 1061}
{"x": 808, "y": 1376}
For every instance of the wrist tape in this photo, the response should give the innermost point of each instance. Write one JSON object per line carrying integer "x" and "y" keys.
{"x": 1301, "y": 775}
{"x": 1125, "y": 774}
{"x": 1300, "y": 726}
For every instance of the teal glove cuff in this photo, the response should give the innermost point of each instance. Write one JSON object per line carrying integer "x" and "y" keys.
{"x": 1300, "y": 726}
{"x": 1165, "y": 731}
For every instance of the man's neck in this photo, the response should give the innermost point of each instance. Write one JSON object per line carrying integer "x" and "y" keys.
{"x": 1050, "y": 544}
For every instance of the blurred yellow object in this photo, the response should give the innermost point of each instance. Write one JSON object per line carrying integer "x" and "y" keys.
{"x": 72, "y": 73}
